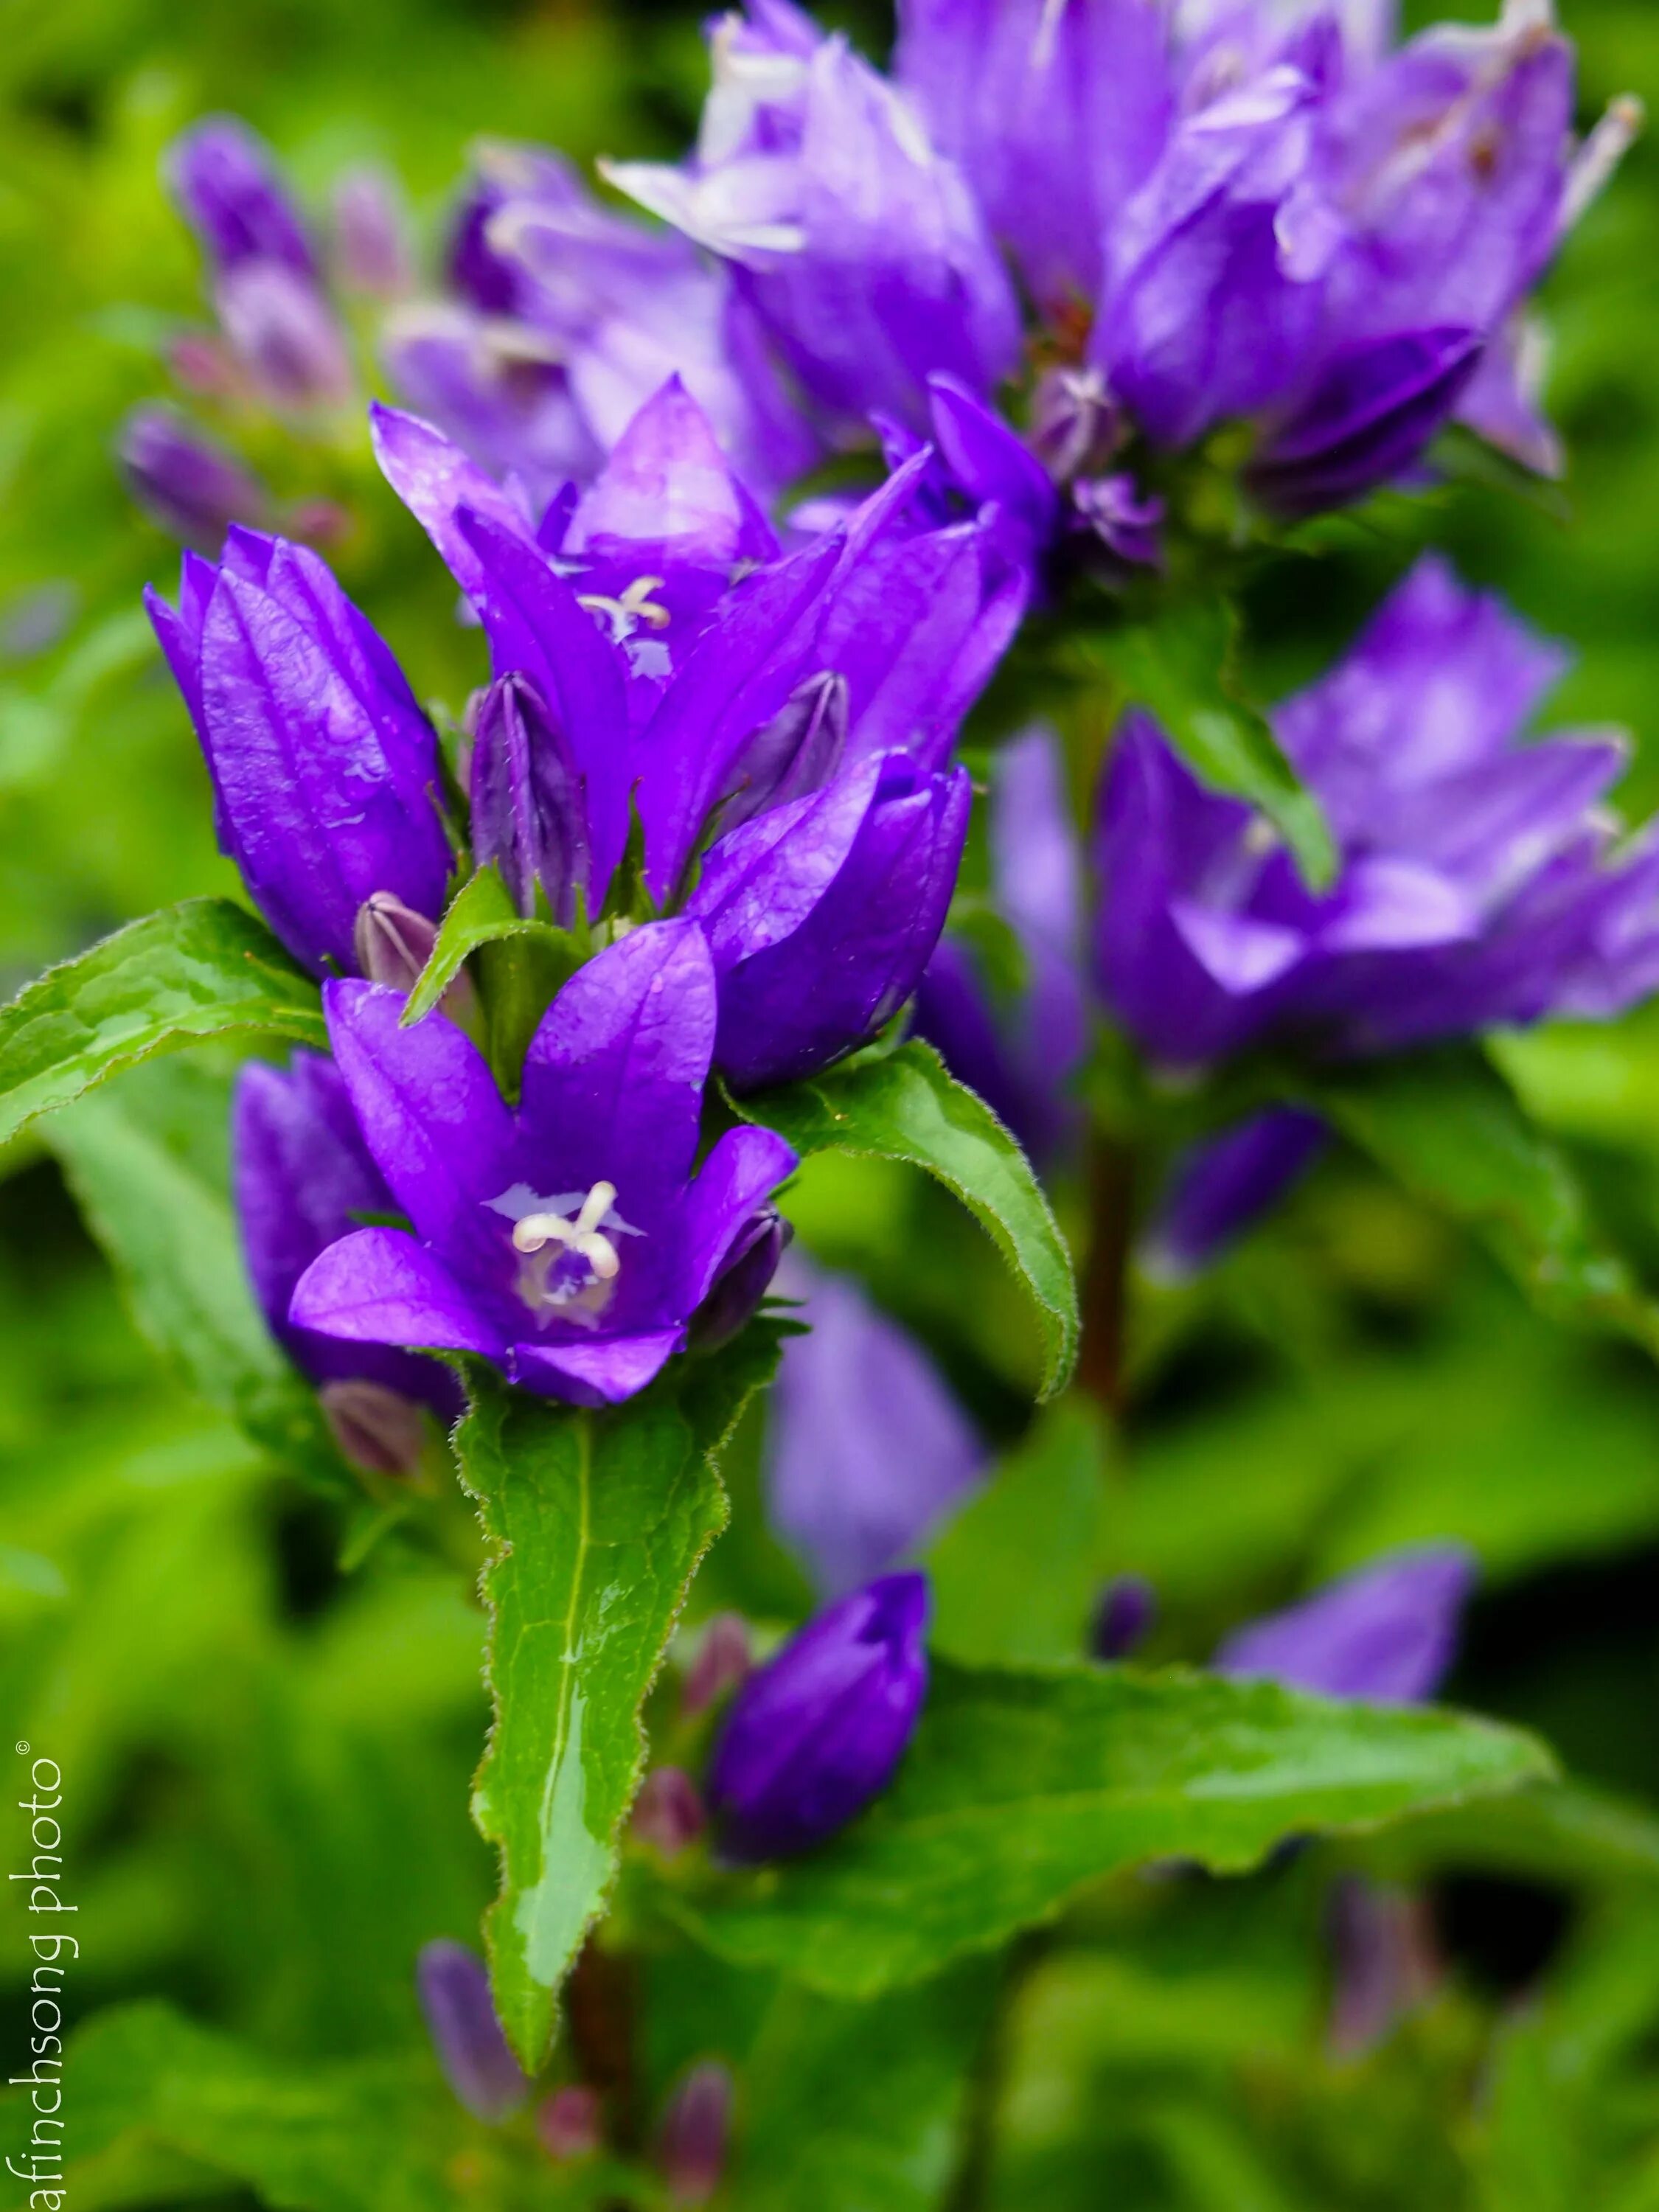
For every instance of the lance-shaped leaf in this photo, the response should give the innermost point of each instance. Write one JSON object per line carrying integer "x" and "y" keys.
{"x": 903, "y": 1106}
{"x": 146, "y": 1162}
{"x": 201, "y": 969}
{"x": 1018, "y": 1789}
{"x": 597, "y": 1523}
{"x": 1447, "y": 1125}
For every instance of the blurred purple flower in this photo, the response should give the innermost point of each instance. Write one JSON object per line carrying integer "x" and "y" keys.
{"x": 184, "y": 481}
{"x": 1386, "y": 1634}
{"x": 226, "y": 181}
{"x": 454, "y": 1989}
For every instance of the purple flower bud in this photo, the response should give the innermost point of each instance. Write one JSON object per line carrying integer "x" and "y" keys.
{"x": 227, "y": 184}
{"x": 691, "y": 2141}
{"x": 286, "y": 333}
{"x": 569, "y": 2123}
{"x": 370, "y": 244}
{"x": 796, "y": 752}
{"x": 724, "y": 1659}
{"x": 190, "y": 486}
{"x": 743, "y": 1281}
{"x": 1383, "y": 1960}
{"x": 1076, "y": 427}
{"x": 1127, "y": 1608}
{"x": 472, "y": 2049}
{"x": 818, "y": 1732}
{"x": 1127, "y": 524}
{"x": 1222, "y": 1186}
{"x": 668, "y": 1812}
{"x": 375, "y": 1428}
{"x": 1367, "y": 419}
{"x": 529, "y": 814}
{"x": 1386, "y": 1634}
{"x": 393, "y": 942}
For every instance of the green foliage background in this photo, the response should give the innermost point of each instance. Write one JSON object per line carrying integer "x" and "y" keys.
{"x": 267, "y": 1759}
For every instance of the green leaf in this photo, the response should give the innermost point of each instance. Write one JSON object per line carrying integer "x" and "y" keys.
{"x": 201, "y": 969}
{"x": 147, "y": 1161}
{"x": 1021, "y": 1788}
{"x": 904, "y": 1106}
{"x": 1446, "y": 1125}
{"x": 481, "y": 913}
{"x": 1181, "y": 669}
{"x": 1563, "y": 1832}
{"x": 1017, "y": 1572}
{"x": 597, "y": 1523}
{"x": 854, "y": 2108}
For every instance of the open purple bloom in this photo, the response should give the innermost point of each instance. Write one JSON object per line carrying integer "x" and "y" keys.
{"x": 822, "y": 914}
{"x": 477, "y": 2064}
{"x": 303, "y": 1178}
{"x": 325, "y": 770}
{"x": 1019, "y": 1056}
{"x": 1479, "y": 883}
{"x": 818, "y": 1732}
{"x": 1386, "y": 1634}
{"x": 569, "y": 1242}
{"x": 867, "y": 1450}
{"x": 188, "y": 484}
{"x": 228, "y": 183}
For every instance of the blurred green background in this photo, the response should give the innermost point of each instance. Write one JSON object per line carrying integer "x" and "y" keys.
{"x": 266, "y": 1761}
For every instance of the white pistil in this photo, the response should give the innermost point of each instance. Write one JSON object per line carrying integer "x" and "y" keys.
{"x": 537, "y": 1230}
{"x": 634, "y": 606}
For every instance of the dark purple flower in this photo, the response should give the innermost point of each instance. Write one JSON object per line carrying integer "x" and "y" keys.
{"x": 1128, "y": 522}
{"x": 822, "y": 914}
{"x": 744, "y": 1278}
{"x": 1386, "y": 1634}
{"x": 466, "y": 2035}
{"x": 692, "y": 2137}
{"x": 818, "y": 1732}
{"x": 1019, "y": 1056}
{"x": 1478, "y": 885}
{"x": 859, "y": 246}
{"x": 867, "y": 1451}
{"x": 228, "y": 183}
{"x": 1124, "y": 1617}
{"x": 371, "y": 243}
{"x": 325, "y": 770}
{"x": 529, "y": 813}
{"x": 1370, "y": 416}
{"x": 185, "y": 482}
{"x": 568, "y": 1240}
{"x": 797, "y": 751}
{"x": 302, "y": 1178}
{"x": 1222, "y": 1186}
{"x": 496, "y": 388}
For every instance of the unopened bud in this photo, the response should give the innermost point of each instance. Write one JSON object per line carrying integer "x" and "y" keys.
{"x": 668, "y": 1812}
{"x": 723, "y": 1661}
{"x": 394, "y": 943}
{"x": 1075, "y": 427}
{"x": 1384, "y": 1962}
{"x": 568, "y": 2122}
{"x": 529, "y": 813}
{"x": 370, "y": 244}
{"x": 375, "y": 1428}
{"x": 472, "y": 2049}
{"x": 1127, "y": 1608}
{"x": 691, "y": 2143}
{"x": 742, "y": 1283}
{"x": 187, "y": 484}
{"x": 797, "y": 752}
{"x": 286, "y": 334}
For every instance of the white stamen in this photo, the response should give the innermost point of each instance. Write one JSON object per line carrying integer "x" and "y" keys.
{"x": 536, "y": 1230}
{"x": 1600, "y": 156}
{"x": 636, "y": 605}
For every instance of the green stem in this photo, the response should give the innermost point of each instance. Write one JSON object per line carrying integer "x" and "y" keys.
{"x": 988, "y": 2080}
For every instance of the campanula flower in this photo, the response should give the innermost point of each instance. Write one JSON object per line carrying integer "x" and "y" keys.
{"x": 693, "y": 2137}
{"x": 454, "y": 1991}
{"x": 1123, "y": 1618}
{"x": 302, "y": 1178}
{"x": 818, "y": 1731}
{"x": 1386, "y": 1634}
{"x": 228, "y": 183}
{"x": 568, "y": 1240}
{"x": 188, "y": 484}
{"x": 529, "y": 812}
{"x": 1221, "y": 1186}
{"x": 1479, "y": 882}
{"x": 325, "y": 772}
{"x": 371, "y": 251}
{"x": 286, "y": 335}
{"x": 867, "y": 1449}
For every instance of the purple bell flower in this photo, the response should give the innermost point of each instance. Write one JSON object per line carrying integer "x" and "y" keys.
{"x": 325, "y": 770}
{"x": 822, "y": 914}
{"x": 1386, "y": 1634}
{"x": 1479, "y": 881}
{"x": 226, "y": 182}
{"x": 371, "y": 240}
{"x": 454, "y": 1991}
{"x": 1020, "y": 1057}
{"x": 302, "y": 1178}
{"x": 859, "y": 246}
{"x": 286, "y": 334}
{"x": 695, "y": 2134}
{"x": 817, "y": 1732}
{"x": 566, "y": 1242}
{"x": 867, "y": 1451}
{"x": 528, "y": 810}
{"x": 191, "y": 486}
{"x": 1124, "y": 1617}
{"x": 1222, "y": 1186}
